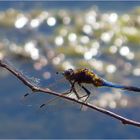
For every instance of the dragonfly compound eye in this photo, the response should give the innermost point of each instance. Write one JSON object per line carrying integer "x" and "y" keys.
{"x": 68, "y": 72}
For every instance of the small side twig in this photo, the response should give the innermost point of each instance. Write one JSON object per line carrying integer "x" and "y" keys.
{"x": 37, "y": 89}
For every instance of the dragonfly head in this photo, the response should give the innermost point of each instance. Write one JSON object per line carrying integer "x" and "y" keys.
{"x": 68, "y": 74}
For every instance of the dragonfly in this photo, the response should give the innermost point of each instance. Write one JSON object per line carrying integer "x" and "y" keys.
{"x": 86, "y": 76}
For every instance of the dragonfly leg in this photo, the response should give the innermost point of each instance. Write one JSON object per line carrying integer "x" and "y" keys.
{"x": 87, "y": 94}
{"x": 86, "y": 90}
{"x": 73, "y": 89}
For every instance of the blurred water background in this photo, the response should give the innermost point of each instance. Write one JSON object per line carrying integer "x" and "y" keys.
{"x": 40, "y": 38}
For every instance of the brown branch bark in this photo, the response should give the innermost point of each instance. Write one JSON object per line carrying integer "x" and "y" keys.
{"x": 37, "y": 89}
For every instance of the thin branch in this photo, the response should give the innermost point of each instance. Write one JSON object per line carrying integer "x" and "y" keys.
{"x": 37, "y": 89}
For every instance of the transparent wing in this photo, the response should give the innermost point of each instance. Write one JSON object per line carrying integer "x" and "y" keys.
{"x": 61, "y": 85}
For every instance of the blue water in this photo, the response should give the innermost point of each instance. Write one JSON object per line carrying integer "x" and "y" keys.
{"x": 23, "y": 118}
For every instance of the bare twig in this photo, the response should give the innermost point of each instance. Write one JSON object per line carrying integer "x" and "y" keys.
{"x": 37, "y": 89}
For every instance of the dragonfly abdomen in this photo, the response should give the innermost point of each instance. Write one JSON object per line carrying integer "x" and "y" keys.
{"x": 130, "y": 88}
{"x": 110, "y": 84}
